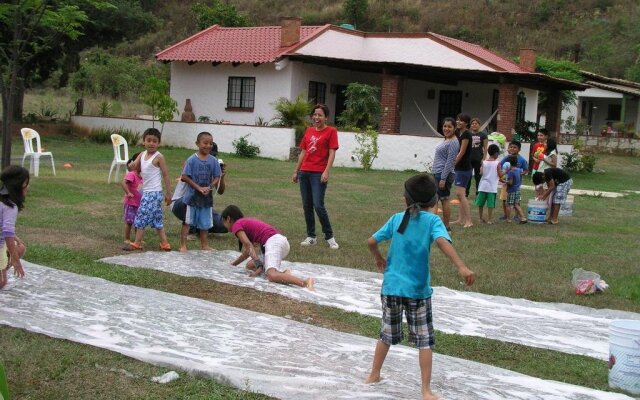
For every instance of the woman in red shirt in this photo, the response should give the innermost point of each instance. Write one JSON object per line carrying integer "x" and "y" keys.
{"x": 318, "y": 151}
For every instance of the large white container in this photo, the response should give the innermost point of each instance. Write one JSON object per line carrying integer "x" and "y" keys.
{"x": 566, "y": 210}
{"x": 624, "y": 355}
{"x": 537, "y": 211}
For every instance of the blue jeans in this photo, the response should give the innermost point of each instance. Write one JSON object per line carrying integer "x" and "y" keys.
{"x": 312, "y": 191}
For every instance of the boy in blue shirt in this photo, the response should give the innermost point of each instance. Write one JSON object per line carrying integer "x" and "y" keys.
{"x": 201, "y": 173}
{"x": 406, "y": 286}
{"x": 513, "y": 179}
{"x": 513, "y": 150}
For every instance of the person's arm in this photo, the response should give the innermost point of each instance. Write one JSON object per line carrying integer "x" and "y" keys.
{"x": 445, "y": 246}
{"x": 464, "y": 143}
{"x": 551, "y": 186}
{"x": 135, "y": 165}
{"x": 381, "y": 262}
{"x": 125, "y": 187}
{"x": 13, "y": 246}
{"x": 449, "y": 164}
{"x": 165, "y": 177}
{"x": 325, "y": 174}
{"x": 294, "y": 177}
{"x": 485, "y": 147}
{"x": 222, "y": 184}
{"x": 247, "y": 249}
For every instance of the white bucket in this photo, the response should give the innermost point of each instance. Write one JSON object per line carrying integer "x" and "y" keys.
{"x": 624, "y": 355}
{"x": 566, "y": 209}
{"x": 537, "y": 210}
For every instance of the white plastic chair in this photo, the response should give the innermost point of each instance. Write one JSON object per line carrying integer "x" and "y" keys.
{"x": 28, "y": 136}
{"x": 120, "y": 157}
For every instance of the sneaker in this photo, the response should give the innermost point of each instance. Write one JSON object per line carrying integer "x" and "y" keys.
{"x": 309, "y": 241}
{"x": 332, "y": 243}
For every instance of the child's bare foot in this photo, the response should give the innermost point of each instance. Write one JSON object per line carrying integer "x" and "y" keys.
{"x": 372, "y": 379}
{"x": 430, "y": 396}
{"x": 484, "y": 221}
{"x": 490, "y": 222}
{"x": 468, "y": 225}
{"x": 287, "y": 271}
{"x": 508, "y": 221}
{"x": 182, "y": 249}
{"x": 207, "y": 248}
{"x": 309, "y": 284}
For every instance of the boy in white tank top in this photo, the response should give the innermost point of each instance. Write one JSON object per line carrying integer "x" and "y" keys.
{"x": 153, "y": 169}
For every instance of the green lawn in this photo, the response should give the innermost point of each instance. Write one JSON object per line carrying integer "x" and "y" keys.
{"x": 75, "y": 218}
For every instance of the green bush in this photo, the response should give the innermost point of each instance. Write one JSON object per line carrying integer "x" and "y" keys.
{"x": 244, "y": 148}
{"x": 367, "y": 150}
{"x": 577, "y": 161}
{"x": 103, "y": 135}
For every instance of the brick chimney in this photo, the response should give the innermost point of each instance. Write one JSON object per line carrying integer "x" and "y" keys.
{"x": 290, "y": 33}
{"x": 528, "y": 59}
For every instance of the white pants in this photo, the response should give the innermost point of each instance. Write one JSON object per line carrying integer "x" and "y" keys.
{"x": 275, "y": 250}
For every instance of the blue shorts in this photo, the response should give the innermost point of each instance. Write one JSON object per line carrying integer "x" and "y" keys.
{"x": 150, "y": 211}
{"x": 463, "y": 178}
{"x": 199, "y": 217}
{"x": 419, "y": 319}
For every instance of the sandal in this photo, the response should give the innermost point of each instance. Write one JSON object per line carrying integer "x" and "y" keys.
{"x": 165, "y": 246}
{"x": 133, "y": 246}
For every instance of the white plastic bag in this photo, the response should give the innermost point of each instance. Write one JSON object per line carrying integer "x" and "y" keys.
{"x": 585, "y": 282}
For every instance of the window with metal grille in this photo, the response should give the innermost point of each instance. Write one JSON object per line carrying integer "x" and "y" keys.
{"x": 317, "y": 92}
{"x": 241, "y": 93}
{"x": 521, "y": 107}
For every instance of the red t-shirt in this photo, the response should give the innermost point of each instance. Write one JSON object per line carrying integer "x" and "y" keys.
{"x": 534, "y": 148}
{"x": 317, "y": 145}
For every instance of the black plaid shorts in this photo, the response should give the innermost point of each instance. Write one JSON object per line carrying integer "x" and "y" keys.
{"x": 419, "y": 319}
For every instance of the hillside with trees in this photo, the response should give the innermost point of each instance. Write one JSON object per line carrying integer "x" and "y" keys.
{"x": 602, "y": 36}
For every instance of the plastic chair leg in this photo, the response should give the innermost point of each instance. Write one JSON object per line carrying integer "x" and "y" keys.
{"x": 113, "y": 164}
{"x": 53, "y": 166}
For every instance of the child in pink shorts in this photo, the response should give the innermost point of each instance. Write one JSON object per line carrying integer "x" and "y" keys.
{"x": 131, "y": 184}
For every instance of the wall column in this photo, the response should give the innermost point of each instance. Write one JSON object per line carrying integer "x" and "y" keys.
{"x": 554, "y": 109}
{"x": 507, "y": 103}
{"x": 391, "y": 103}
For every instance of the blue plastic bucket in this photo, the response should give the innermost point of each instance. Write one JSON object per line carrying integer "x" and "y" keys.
{"x": 624, "y": 355}
{"x": 537, "y": 211}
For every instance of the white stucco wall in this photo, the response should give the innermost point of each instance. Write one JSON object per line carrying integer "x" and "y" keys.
{"x": 273, "y": 142}
{"x": 396, "y": 152}
{"x": 206, "y": 86}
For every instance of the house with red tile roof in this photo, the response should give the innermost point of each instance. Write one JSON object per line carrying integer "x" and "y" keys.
{"x": 236, "y": 74}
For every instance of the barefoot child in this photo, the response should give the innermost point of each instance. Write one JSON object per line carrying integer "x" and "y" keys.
{"x": 522, "y": 164}
{"x": 15, "y": 183}
{"x": 131, "y": 184}
{"x": 488, "y": 187}
{"x": 406, "y": 285}
{"x": 275, "y": 247}
{"x": 201, "y": 173}
{"x": 153, "y": 169}
{"x": 513, "y": 179}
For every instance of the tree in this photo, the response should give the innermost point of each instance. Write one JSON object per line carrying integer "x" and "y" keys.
{"x": 154, "y": 94}
{"x": 218, "y": 13}
{"x": 362, "y": 106}
{"x": 355, "y": 11}
{"x": 28, "y": 29}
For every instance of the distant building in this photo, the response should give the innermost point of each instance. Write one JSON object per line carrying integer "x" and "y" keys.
{"x": 606, "y": 103}
{"x": 235, "y": 74}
